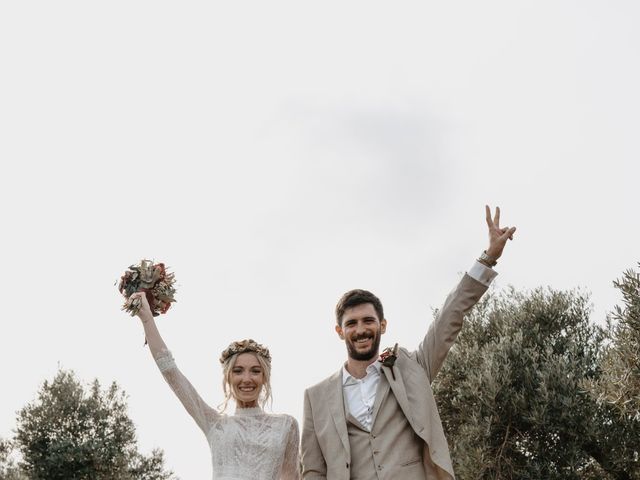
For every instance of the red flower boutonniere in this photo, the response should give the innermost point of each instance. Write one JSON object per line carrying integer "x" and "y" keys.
{"x": 388, "y": 358}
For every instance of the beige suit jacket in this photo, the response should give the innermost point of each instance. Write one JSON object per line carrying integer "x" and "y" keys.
{"x": 325, "y": 451}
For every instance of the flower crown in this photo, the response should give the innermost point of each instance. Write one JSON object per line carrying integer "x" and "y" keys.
{"x": 244, "y": 346}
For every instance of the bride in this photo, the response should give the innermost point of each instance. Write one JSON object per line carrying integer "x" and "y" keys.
{"x": 250, "y": 444}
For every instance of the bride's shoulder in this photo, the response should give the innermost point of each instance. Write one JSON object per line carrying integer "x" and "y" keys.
{"x": 284, "y": 418}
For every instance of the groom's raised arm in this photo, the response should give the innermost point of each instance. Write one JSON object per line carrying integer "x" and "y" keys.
{"x": 444, "y": 329}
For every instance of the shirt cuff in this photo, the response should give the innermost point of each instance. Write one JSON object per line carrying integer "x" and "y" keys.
{"x": 482, "y": 273}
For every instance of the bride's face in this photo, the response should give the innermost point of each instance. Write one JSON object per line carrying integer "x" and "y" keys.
{"x": 247, "y": 378}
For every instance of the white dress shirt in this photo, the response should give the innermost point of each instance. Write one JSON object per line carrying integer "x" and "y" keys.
{"x": 360, "y": 393}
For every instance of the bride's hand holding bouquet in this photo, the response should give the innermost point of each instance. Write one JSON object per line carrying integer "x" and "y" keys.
{"x": 149, "y": 291}
{"x": 151, "y": 279}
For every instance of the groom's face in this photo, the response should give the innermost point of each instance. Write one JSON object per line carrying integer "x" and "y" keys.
{"x": 361, "y": 330}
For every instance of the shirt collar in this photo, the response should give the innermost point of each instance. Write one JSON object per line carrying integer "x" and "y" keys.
{"x": 372, "y": 368}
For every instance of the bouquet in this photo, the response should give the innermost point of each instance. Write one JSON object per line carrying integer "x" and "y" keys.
{"x": 154, "y": 281}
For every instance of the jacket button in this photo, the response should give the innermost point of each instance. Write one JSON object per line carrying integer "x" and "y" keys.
{"x": 347, "y": 464}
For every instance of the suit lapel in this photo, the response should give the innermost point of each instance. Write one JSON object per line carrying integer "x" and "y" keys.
{"x": 381, "y": 393}
{"x": 397, "y": 387}
{"x": 336, "y": 407}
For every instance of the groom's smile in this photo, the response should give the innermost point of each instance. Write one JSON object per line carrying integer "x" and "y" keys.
{"x": 361, "y": 330}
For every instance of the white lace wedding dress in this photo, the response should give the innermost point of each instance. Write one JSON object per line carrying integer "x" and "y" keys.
{"x": 249, "y": 445}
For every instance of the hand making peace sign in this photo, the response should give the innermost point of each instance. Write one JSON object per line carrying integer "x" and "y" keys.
{"x": 498, "y": 236}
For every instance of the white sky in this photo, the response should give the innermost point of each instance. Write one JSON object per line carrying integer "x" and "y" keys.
{"x": 277, "y": 154}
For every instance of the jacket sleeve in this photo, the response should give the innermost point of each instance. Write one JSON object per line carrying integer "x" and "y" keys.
{"x": 313, "y": 463}
{"x": 444, "y": 328}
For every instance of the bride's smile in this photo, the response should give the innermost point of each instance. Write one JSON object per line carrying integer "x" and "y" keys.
{"x": 246, "y": 380}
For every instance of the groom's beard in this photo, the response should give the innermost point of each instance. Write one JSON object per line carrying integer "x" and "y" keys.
{"x": 368, "y": 354}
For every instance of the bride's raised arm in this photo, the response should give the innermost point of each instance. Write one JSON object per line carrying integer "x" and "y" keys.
{"x": 201, "y": 412}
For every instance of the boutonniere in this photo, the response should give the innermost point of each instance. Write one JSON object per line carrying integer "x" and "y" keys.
{"x": 388, "y": 358}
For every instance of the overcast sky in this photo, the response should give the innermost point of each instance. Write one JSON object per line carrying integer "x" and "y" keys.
{"x": 277, "y": 154}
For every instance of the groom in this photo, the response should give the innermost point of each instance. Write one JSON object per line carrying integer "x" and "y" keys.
{"x": 376, "y": 420}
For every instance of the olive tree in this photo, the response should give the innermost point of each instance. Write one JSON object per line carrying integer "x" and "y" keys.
{"x": 72, "y": 432}
{"x": 512, "y": 393}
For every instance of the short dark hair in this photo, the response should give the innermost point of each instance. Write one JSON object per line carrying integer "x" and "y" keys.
{"x": 357, "y": 297}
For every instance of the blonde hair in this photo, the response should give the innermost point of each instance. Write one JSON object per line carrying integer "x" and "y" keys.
{"x": 265, "y": 390}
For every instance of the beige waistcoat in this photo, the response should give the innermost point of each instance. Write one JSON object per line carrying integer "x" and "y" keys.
{"x": 374, "y": 459}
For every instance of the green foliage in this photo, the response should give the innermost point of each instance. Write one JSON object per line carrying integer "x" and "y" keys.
{"x": 72, "y": 433}
{"x": 512, "y": 396}
{"x": 8, "y": 468}
{"x": 620, "y": 383}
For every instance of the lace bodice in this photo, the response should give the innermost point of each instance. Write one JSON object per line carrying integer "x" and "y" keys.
{"x": 249, "y": 445}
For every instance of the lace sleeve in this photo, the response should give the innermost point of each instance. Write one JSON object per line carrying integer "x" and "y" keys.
{"x": 202, "y": 413}
{"x": 291, "y": 462}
